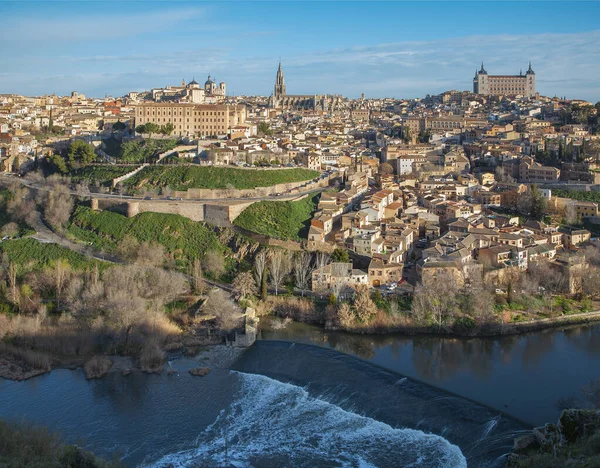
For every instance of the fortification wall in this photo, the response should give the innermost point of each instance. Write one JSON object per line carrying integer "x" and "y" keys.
{"x": 219, "y": 214}
{"x": 292, "y": 187}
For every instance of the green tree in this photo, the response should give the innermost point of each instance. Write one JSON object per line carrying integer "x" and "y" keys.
{"x": 263, "y": 285}
{"x": 340, "y": 255}
{"x": 167, "y": 129}
{"x": 141, "y": 129}
{"x": 264, "y": 128}
{"x": 80, "y": 154}
{"x": 151, "y": 128}
{"x": 59, "y": 162}
{"x": 538, "y": 203}
{"x": 118, "y": 126}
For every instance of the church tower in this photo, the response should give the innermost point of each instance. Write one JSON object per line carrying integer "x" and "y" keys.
{"x": 279, "y": 83}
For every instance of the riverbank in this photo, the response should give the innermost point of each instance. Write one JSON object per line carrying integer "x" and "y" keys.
{"x": 17, "y": 363}
{"x": 486, "y": 330}
{"x": 573, "y": 442}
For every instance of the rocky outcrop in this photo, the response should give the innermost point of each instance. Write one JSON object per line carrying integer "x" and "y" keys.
{"x": 200, "y": 371}
{"x": 573, "y": 442}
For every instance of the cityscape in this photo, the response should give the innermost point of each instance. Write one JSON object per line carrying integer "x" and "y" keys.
{"x": 194, "y": 276}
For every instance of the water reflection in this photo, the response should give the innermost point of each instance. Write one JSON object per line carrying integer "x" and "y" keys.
{"x": 523, "y": 375}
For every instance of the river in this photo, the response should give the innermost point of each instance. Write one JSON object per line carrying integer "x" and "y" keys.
{"x": 425, "y": 401}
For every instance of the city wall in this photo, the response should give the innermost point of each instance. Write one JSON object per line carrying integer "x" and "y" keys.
{"x": 258, "y": 192}
{"x": 214, "y": 213}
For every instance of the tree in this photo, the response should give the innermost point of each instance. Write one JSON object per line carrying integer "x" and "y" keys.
{"x": 151, "y": 128}
{"x": 150, "y": 253}
{"x": 58, "y": 206}
{"x": 364, "y": 307}
{"x": 128, "y": 247}
{"x": 219, "y": 304}
{"x": 302, "y": 270}
{"x": 119, "y": 126}
{"x": 264, "y": 129}
{"x": 244, "y": 286}
{"x": 10, "y": 230}
{"x": 434, "y": 302}
{"x": 141, "y": 129}
{"x": 386, "y": 168}
{"x": 167, "y": 129}
{"x": 321, "y": 259}
{"x": 532, "y": 203}
{"x": 214, "y": 263}
{"x": 260, "y": 268}
{"x": 279, "y": 267}
{"x": 340, "y": 256}
{"x": 198, "y": 284}
{"x": 80, "y": 154}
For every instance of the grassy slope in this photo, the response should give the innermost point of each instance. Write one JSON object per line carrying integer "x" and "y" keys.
{"x": 32, "y": 254}
{"x": 185, "y": 177}
{"x": 282, "y": 220}
{"x": 184, "y": 238}
{"x": 103, "y": 174}
{"x": 577, "y": 195}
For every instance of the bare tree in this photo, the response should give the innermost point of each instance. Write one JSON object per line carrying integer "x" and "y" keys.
{"x": 302, "y": 270}
{"x": 214, "y": 263}
{"x": 219, "y": 304}
{"x": 279, "y": 267}
{"x": 364, "y": 307}
{"x": 12, "y": 284}
{"x": 150, "y": 253}
{"x": 198, "y": 284}
{"x": 58, "y": 206}
{"x": 128, "y": 247}
{"x": 435, "y": 302}
{"x": 590, "y": 281}
{"x": 20, "y": 204}
{"x": 260, "y": 264}
{"x": 243, "y": 285}
{"x": 61, "y": 273}
{"x": 321, "y": 259}
{"x": 10, "y": 229}
{"x": 125, "y": 311}
{"x": 571, "y": 214}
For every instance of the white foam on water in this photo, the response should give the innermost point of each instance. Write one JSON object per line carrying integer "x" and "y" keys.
{"x": 278, "y": 424}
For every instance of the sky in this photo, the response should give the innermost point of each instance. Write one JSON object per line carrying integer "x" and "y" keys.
{"x": 381, "y": 49}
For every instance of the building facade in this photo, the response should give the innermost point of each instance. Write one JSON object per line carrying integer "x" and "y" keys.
{"x": 512, "y": 85}
{"x": 196, "y": 120}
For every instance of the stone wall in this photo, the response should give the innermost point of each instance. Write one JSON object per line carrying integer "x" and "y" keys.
{"x": 219, "y": 214}
{"x": 291, "y": 188}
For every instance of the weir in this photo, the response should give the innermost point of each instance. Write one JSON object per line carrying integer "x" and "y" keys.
{"x": 483, "y": 435}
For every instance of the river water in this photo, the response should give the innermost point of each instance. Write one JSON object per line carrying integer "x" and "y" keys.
{"x": 296, "y": 404}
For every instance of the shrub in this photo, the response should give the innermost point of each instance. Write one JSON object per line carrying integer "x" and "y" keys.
{"x": 97, "y": 367}
{"x": 152, "y": 358}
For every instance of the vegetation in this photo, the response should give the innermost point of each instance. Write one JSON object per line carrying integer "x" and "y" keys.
{"x": 281, "y": 220}
{"x": 99, "y": 174}
{"x": 78, "y": 154}
{"x": 580, "y": 195}
{"x": 22, "y": 445}
{"x": 31, "y": 255}
{"x": 183, "y": 238}
{"x": 151, "y": 128}
{"x": 211, "y": 177}
{"x": 9, "y": 225}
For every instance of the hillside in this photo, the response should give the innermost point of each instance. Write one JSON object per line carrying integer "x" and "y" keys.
{"x": 182, "y": 237}
{"x": 29, "y": 254}
{"x": 283, "y": 220}
{"x": 211, "y": 177}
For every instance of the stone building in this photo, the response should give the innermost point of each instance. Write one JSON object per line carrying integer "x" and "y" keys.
{"x": 511, "y": 85}
{"x": 191, "y": 119}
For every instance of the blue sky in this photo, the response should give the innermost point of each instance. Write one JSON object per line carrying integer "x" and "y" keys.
{"x": 401, "y": 49}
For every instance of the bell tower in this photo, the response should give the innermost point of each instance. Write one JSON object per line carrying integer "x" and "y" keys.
{"x": 279, "y": 83}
